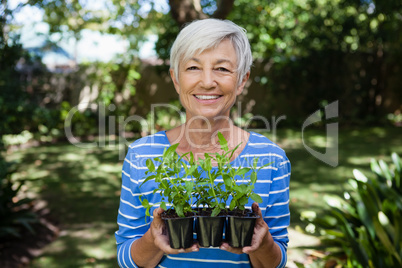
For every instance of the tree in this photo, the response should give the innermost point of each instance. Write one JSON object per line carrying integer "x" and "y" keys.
{"x": 12, "y": 97}
{"x": 302, "y": 47}
{"x": 189, "y": 10}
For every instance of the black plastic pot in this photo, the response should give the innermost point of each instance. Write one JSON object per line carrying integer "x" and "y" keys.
{"x": 240, "y": 229}
{"x": 180, "y": 231}
{"x": 210, "y": 230}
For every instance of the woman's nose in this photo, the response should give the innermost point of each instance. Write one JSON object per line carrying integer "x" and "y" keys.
{"x": 208, "y": 79}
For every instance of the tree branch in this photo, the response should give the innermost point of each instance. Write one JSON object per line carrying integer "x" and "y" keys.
{"x": 184, "y": 11}
{"x": 223, "y": 10}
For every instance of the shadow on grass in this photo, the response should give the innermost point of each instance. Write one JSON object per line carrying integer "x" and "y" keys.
{"x": 312, "y": 179}
{"x": 81, "y": 188}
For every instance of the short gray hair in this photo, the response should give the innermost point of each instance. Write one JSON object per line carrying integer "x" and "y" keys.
{"x": 201, "y": 35}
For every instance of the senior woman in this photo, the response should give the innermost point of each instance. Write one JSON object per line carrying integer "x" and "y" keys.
{"x": 210, "y": 65}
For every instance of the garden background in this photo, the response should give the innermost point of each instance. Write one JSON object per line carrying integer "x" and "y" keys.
{"x": 65, "y": 123}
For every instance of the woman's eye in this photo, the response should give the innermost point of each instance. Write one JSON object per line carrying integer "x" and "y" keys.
{"x": 192, "y": 68}
{"x": 222, "y": 69}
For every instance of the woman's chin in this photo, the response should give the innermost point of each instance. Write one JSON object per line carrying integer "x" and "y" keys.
{"x": 211, "y": 116}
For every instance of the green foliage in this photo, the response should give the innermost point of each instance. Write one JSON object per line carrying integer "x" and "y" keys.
{"x": 15, "y": 213}
{"x": 218, "y": 194}
{"x": 300, "y": 47}
{"x": 12, "y": 98}
{"x": 199, "y": 180}
{"x": 172, "y": 184}
{"x": 366, "y": 227}
{"x": 166, "y": 117}
{"x": 81, "y": 122}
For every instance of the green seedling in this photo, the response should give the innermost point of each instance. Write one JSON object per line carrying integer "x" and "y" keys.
{"x": 183, "y": 183}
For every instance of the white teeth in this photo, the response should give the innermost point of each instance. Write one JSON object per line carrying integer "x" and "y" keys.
{"x": 207, "y": 97}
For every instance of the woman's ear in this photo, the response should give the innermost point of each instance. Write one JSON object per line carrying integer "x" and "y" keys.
{"x": 175, "y": 82}
{"x": 243, "y": 82}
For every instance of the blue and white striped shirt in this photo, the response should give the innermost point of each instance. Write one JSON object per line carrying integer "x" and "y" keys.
{"x": 272, "y": 185}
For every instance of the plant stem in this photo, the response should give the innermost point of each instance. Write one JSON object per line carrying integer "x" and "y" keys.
{"x": 212, "y": 184}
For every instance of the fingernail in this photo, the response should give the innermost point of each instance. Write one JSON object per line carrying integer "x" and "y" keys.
{"x": 195, "y": 249}
{"x": 181, "y": 250}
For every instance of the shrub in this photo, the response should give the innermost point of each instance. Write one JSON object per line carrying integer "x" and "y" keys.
{"x": 15, "y": 213}
{"x": 365, "y": 228}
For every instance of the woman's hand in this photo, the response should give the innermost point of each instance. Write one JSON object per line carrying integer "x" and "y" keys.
{"x": 260, "y": 236}
{"x": 161, "y": 238}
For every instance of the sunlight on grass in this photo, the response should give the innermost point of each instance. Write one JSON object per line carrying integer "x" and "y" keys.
{"x": 318, "y": 141}
{"x": 71, "y": 157}
{"x": 96, "y": 245}
{"x": 110, "y": 168}
{"x": 358, "y": 160}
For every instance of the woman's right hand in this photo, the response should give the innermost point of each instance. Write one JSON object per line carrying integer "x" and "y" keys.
{"x": 161, "y": 238}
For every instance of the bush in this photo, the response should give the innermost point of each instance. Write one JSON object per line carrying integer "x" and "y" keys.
{"x": 365, "y": 228}
{"x": 15, "y": 213}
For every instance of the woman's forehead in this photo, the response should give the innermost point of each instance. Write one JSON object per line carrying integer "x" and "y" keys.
{"x": 225, "y": 49}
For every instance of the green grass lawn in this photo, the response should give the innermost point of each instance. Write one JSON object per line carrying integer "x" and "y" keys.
{"x": 82, "y": 186}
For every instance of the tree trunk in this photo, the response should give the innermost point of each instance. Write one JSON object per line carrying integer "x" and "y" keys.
{"x": 184, "y": 11}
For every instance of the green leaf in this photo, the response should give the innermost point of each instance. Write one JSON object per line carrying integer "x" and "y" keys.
{"x": 150, "y": 165}
{"x": 227, "y": 180}
{"x": 242, "y": 171}
{"x": 255, "y": 162}
{"x": 184, "y": 165}
{"x": 365, "y": 218}
{"x": 189, "y": 186}
{"x": 397, "y": 161}
{"x": 170, "y": 151}
{"x": 256, "y": 197}
{"x": 148, "y": 178}
{"x": 375, "y": 167}
{"x": 215, "y": 212}
{"x": 359, "y": 176}
{"x": 386, "y": 172}
{"x": 223, "y": 142}
{"x": 270, "y": 163}
{"x": 232, "y": 152}
{"x": 179, "y": 210}
{"x": 232, "y": 204}
{"x": 144, "y": 202}
{"x": 191, "y": 161}
{"x": 385, "y": 222}
{"x": 382, "y": 235}
{"x": 191, "y": 170}
{"x": 243, "y": 200}
{"x": 253, "y": 177}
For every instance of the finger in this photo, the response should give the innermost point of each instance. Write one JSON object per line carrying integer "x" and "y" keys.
{"x": 157, "y": 219}
{"x": 255, "y": 243}
{"x": 256, "y": 209}
{"x": 193, "y": 248}
{"x": 164, "y": 245}
{"x": 157, "y": 213}
{"x": 250, "y": 249}
{"x": 227, "y": 247}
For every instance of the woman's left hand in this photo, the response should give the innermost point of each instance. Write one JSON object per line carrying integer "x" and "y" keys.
{"x": 260, "y": 236}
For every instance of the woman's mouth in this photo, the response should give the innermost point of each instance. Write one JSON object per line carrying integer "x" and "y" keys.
{"x": 207, "y": 97}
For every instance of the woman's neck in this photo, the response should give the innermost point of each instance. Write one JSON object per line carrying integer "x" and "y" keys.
{"x": 201, "y": 137}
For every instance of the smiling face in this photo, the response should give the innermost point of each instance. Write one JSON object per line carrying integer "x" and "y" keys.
{"x": 208, "y": 83}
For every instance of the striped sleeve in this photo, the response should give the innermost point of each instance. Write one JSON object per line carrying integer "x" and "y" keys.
{"x": 277, "y": 213}
{"x": 131, "y": 215}
{"x": 273, "y": 186}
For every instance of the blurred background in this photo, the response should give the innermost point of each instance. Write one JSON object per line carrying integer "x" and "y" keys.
{"x": 81, "y": 79}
